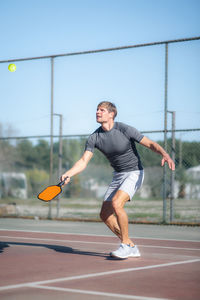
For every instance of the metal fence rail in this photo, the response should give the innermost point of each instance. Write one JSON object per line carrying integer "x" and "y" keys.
{"x": 102, "y": 50}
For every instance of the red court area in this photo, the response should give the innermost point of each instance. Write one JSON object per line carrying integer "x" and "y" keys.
{"x": 39, "y": 265}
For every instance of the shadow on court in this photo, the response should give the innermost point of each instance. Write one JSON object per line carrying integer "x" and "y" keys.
{"x": 57, "y": 248}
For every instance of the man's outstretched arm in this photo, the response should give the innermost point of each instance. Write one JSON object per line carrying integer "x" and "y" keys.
{"x": 158, "y": 149}
{"x": 78, "y": 167}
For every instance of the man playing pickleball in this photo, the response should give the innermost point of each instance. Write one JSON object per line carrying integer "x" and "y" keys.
{"x": 117, "y": 142}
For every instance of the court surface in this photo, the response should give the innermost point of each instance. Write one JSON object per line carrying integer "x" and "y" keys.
{"x": 70, "y": 260}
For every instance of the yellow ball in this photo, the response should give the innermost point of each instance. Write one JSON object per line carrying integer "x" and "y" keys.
{"x": 12, "y": 67}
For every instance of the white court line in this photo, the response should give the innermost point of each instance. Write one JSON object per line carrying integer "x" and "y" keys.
{"x": 97, "y": 243}
{"x": 134, "y": 297}
{"x": 92, "y": 275}
{"x": 97, "y": 235}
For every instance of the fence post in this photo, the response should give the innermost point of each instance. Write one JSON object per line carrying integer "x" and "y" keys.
{"x": 165, "y": 133}
{"x": 172, "y": 176}
{"x": 51, "y": 134}
{"x": 59, "y": 158}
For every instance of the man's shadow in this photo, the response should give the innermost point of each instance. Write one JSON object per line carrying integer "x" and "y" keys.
{"x": 57, "y": 248}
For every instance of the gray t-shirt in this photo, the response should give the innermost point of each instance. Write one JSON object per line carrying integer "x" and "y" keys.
{"x": 118, "y": 145}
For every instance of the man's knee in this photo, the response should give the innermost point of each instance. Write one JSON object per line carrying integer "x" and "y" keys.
{"x": 116, "y": 204}
{"x": 119, "y": 200}
{"x": 106, "y": 211}
{"x": 102, "y": 215}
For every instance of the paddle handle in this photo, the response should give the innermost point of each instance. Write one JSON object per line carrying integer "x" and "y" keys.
{"x": 62, "y": 182}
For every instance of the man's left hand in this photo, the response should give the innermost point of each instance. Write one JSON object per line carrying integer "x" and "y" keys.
{"x": 168, "y": 160}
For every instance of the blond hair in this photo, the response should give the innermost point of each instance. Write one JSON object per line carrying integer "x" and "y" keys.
{"x": 109, "y": 106}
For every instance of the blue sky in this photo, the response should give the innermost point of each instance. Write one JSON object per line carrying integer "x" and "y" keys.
{"x": 132, "y": 79}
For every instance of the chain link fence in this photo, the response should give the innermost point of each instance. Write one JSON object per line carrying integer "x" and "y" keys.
{"x": 24, "y": 172}
{"x": 28, "y": 164}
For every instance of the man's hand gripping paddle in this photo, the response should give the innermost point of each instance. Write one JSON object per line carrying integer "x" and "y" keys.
{"x": 51, "y": 192}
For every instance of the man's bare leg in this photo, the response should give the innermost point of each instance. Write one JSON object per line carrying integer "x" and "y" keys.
{"x": 118, "y": 203}
{"x": 118, "y": 224}
{"x": 108, "y": 217}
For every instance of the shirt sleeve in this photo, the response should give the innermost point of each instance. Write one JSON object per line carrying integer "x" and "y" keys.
{"x": 132, "y": 133}
{"x": 90, "y": 143}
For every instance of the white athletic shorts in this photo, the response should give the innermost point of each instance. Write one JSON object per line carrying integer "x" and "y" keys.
{"x": 129, "y": 182}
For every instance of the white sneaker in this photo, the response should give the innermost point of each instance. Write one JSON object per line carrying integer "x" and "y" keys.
{"x": 126, "y": 251}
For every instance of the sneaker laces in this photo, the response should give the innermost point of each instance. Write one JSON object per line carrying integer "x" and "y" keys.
{"x": 122, "y": 245}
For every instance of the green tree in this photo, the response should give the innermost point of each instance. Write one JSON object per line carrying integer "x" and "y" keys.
{"x": 42, "y": 151}
{"x": 26, "y": 155}
{"x": 36, "y": 178}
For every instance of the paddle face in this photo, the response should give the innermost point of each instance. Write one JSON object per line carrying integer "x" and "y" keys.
{"x": 50, "y": 193}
